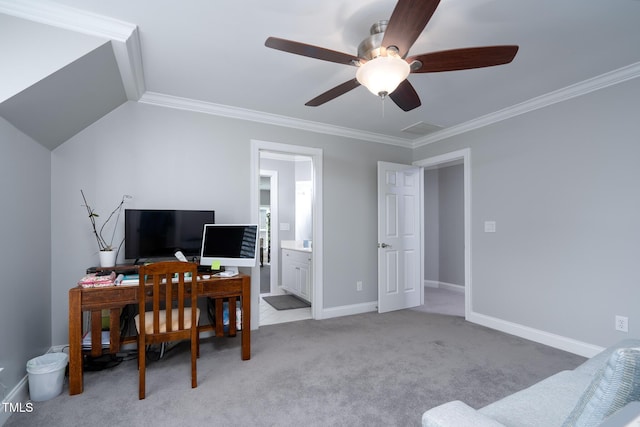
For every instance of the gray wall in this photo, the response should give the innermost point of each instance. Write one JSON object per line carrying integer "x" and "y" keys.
{"x": 265, "y": 197}
{"x": 431, "y": 227}
{"x": 561, "y": 183}
{"x": 25, "y": 252}
{"x": 303, "y": 200}
{"x": 451, "y": 224}
{"x": 286, "y": 201}
{"x": 128, "y": 145}
{"x": 286, "y": 195}
{"x": 444, "y": 225}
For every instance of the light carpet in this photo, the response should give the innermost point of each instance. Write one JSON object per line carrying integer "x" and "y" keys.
{"x": 442, "y": 301}
{"x": 363, "y": 370}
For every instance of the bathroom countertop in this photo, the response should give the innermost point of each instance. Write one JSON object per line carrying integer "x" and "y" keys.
{"x": 296, "y": 245}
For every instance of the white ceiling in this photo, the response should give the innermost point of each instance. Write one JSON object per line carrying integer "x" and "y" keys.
{"x": 212, "y": 53}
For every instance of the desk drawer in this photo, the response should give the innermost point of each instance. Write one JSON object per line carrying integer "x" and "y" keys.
{"x": 108, "y": 297}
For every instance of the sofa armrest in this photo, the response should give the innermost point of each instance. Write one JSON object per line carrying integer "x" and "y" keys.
{"x": 456, "y": 414}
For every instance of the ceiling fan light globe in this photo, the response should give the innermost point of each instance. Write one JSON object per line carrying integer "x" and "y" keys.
{"x": 383, "y": 74}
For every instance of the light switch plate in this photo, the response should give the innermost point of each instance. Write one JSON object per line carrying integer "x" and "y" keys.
{"x": 489, "y": 226}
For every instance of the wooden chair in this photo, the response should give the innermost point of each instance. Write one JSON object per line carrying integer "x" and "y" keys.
{"x": 167, "y": 284}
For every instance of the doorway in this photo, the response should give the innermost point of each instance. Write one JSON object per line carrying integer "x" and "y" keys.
{"x": 282, "y": 223}
{"x": 449, "y": 162}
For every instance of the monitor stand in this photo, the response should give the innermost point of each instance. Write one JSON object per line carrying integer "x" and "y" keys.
{"x": 228, "y": 272}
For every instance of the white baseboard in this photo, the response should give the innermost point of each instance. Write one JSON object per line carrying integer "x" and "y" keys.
{"x": 347, "y": 310}
{"x": 444, "y": 285}
{"x": 536, "y": 335}
{"x": 452, "y": 287}
{"x": 432, "y": 283}
{"x": 19, "y": 394}
{"x": 542, "y": 337}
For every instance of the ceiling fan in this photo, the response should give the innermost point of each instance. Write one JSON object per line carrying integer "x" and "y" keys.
{"x": 383, "y": 65}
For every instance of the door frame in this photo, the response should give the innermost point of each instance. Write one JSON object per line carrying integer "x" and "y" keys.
{"x": 316, "y": 255}
{"x": 454, "y": 156}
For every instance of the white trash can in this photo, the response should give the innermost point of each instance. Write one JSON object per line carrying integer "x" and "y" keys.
{"x": 46, "y": 375}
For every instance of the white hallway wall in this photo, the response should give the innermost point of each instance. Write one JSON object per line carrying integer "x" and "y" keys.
{"x": 562, "y": 184}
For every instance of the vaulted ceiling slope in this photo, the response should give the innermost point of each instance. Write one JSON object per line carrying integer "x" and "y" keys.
{"x": 210, "y": 56}
{"x": 59, "y": 80}
{"x": 62, "y": 104}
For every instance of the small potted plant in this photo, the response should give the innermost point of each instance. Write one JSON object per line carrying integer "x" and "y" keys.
{"x": 107, "y": 251}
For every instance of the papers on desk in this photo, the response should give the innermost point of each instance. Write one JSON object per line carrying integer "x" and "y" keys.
{"x": 92, "y": 280}
{"x": 128, "y": 279}
{"x": 86, "y": 340}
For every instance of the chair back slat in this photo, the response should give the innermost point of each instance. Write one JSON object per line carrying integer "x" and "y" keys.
{"x": 181, "y": 287}
{"x": 156, "y": 303}
{"x": 168, "y": 302}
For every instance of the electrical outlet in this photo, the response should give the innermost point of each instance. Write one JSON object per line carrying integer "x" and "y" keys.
{"x": 622, "y": 323}
{"x": 359, "y": 285}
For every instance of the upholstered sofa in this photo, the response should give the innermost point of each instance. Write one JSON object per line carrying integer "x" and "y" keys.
{"x": 583, "y": 397}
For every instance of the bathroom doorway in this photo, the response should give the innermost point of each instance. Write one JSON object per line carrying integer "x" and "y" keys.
{"x": 289, "y": 216}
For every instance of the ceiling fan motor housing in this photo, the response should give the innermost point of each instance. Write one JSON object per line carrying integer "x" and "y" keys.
{"x": 371, "y": 47}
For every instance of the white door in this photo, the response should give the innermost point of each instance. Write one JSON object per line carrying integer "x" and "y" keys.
{"x": 399, "y": 231}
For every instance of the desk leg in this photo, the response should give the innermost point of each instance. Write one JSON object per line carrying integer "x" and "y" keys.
{"x": 75, "y": 343}
{"x": 114, "y": 330}
{"x": 232, "y": 316}
{"x": 246, "y": 318}
{"x": 219, "y": 319}
{"x": 96, "y": 333}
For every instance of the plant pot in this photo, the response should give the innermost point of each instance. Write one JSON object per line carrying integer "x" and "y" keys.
{"x": 107, "y": 258}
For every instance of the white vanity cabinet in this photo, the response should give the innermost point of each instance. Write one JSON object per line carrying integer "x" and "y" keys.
{"x": 296, "y": 272}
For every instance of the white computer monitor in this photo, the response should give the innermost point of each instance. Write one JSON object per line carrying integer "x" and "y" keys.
{"x": 230, "y": 246}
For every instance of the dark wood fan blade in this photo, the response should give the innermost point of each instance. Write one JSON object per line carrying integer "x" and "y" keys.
{"x": 405, "y": 96}
{"x": 333, "y": 93}
{"x": 464, "y": 59}
{"x": 407, "y": 22}
{"x": 310, "y": 51}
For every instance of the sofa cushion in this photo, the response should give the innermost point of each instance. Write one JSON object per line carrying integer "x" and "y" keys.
{"x": 456, "y": 413}
{"x": 615, "y": 385}
{"x": 547, "y": 403}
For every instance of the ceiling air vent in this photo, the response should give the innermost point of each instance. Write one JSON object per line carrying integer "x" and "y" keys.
{"x": 421, "y": 129}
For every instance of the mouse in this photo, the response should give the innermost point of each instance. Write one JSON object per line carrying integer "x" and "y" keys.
{"x": 206, "y": 276}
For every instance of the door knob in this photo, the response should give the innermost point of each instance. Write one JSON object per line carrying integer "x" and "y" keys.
{"x": 383, "y": 245}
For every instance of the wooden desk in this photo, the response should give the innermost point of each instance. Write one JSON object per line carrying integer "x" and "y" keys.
{"x": 114, "y": 298}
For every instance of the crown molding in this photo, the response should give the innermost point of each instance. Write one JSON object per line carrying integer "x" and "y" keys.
{"x": 123, "y": 35}
{"x": 599, "y": 82}
{"x": 170, "y": 101}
